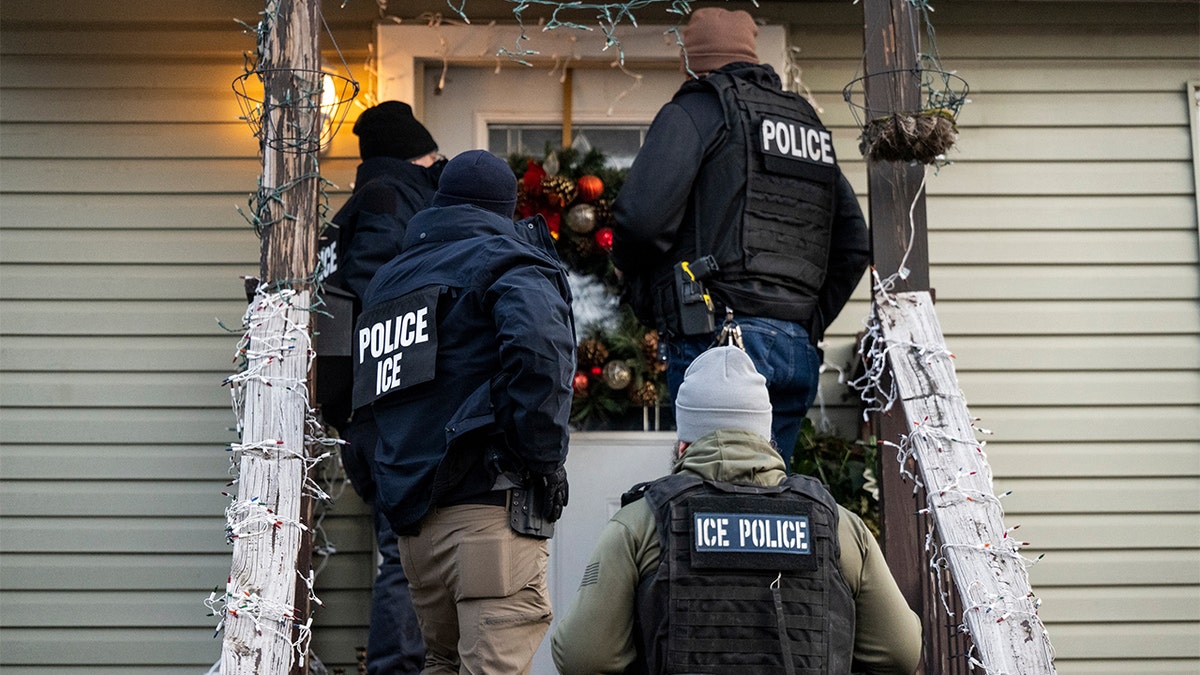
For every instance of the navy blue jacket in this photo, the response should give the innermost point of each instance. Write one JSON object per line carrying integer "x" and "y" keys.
{"x": 501, "y": 394}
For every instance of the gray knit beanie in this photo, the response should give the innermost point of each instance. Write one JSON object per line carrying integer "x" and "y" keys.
{"x": 722, "y": 390}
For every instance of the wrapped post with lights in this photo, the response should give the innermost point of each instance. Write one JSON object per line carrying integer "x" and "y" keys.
{"x": 265, "y": 608}
{"x": 998, "y": 609}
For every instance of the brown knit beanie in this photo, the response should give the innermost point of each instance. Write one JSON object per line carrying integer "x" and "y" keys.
{"x": 716, "y": 37}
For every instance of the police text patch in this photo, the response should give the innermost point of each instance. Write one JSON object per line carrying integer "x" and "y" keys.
{"x": 395, "y": 345}
{"x": 792, "y": 140}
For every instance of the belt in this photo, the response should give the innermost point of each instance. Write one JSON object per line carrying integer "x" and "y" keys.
{"x": 491, "y": 498}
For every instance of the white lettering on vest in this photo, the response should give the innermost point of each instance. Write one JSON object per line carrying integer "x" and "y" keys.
{"x": 796, "y": 140}
{"x": 385, "y": 337}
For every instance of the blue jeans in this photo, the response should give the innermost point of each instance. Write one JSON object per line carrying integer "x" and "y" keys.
{"x": 783, "y": 354}
{"x": 394, "y": 644}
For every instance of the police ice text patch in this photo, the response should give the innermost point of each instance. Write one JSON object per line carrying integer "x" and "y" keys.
{"x": 395, "y": 345}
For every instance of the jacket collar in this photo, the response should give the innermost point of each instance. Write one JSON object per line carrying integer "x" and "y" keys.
{"x": 733, "y": 456}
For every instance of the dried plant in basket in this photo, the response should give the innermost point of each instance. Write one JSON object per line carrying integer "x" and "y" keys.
{"x": 923, "y": 137}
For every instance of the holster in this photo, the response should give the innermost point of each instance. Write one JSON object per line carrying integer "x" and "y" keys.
{"x": 683, "y": 306}
{"x": 524, "y": 507}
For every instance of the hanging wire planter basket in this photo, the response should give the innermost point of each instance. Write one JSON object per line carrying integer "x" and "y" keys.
{"x": 305, "y": 118}
{"x": 924, "y": 134}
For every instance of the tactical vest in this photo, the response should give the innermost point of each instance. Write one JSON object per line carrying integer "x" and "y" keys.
{"x": 748, "y": 580}
{"x": 791, "y": 175}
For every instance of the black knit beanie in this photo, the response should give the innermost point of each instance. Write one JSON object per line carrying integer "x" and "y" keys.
{"x": 478, "y": 177}
{"x": 390, "y": 130}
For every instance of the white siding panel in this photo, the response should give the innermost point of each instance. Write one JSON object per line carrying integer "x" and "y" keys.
{"x": 128, "y": 211}
{"x": 177, "y": 247}
{"x": 1126, "y": 642}
{"x": 129, "y": 572}
{"x": 1098, "y": 424}
{"x": 166, "y": 318}
{"x": 1014, "y": 246}
{"x": 1101, "y": 495}
{"x": 107, "y": 354}
{"x": 61, "y": 281}
{"x": 1064, "y": 459}
{"x": 1058, "y": 352}
{"x": 1001, "y": 213}
{"x": 115, "y": 390}
{"x": 1108, "y": 604}
{"x": 1115, "y": 567}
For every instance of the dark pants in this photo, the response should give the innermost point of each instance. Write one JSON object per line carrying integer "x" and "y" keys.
{"x": 394, "y": 644}
{"x": 783, "y": 354}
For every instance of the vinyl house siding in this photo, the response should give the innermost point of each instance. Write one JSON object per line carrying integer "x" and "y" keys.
{"x": 1063, "y": 246}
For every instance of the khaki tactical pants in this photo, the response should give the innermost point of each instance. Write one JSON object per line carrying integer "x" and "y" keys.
{"x": 479, "y": 590}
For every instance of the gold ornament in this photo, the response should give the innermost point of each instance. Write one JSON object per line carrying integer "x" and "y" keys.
{"x": 582, "y": 218}
{"x": 617, "y": 375}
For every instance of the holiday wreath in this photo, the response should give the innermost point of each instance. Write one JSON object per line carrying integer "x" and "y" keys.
{"x": 618, "y": 376}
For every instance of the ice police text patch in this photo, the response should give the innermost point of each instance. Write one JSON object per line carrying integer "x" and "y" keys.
{"x": 395, "y": 345}
{"x": 746, "y": 532}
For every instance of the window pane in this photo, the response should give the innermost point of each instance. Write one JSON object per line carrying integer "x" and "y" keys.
{"x": 619, "y": 143}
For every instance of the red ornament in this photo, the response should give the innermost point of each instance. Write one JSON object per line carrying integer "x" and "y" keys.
{"x": 580, "y": 383}
{"x": 532, "y": 180}
{"x": 597, "y": 371}
{"x": 590, "y": 188}
{"x": 604, "y": 238}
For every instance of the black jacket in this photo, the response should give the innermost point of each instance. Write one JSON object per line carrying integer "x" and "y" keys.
{"x": 371, "y": 224}
{"x": 500, "y": 396}
{"x": 668, "y": 193}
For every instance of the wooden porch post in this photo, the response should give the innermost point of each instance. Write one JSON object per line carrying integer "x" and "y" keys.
{"x": 266, "y": 616}
{"x": 894, "y": 192}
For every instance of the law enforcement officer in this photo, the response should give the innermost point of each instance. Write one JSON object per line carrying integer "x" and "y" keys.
{"x": 466, "y": 352}
{"x": 731, "y": 565}
{"x": 735, "y": 203}
{"x": 397, "y": 177}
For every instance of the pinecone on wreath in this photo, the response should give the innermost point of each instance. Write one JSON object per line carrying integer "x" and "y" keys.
{"x": 559, "y": 190}
{"x": 585, "y": 247}
{"x": 650, "y": 351}
{"x": 603, "y": 211}
{"x": 592, "y": 353}
{"x": 646, "y": 394}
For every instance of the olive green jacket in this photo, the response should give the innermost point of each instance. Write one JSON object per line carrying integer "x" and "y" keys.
{"x": 597, "y": 636}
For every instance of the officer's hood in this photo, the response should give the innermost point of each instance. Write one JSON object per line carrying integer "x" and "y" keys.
{"x": 733, "y": 456}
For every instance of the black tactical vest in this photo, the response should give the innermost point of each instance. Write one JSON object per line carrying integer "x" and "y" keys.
{"x": 791, "y": 176}
{"x": 748, "y": 580}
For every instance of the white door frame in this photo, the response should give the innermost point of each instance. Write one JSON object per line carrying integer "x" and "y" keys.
{"x": 405, "y": 49}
